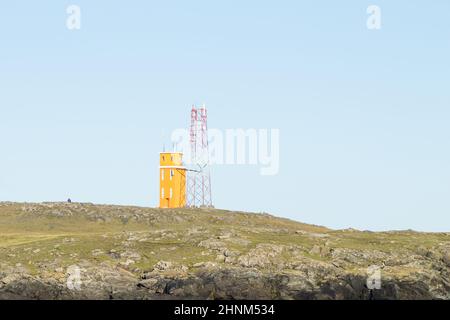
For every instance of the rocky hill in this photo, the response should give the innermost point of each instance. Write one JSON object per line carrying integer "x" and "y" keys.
{"x": 86, "y": 251}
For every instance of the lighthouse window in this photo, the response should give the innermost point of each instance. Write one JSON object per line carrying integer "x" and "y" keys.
{"x": 171, "y": 174}
{"x": 162, "y": 193}
{"x": 171, "y": 193}
{"x": 162, "y": 174}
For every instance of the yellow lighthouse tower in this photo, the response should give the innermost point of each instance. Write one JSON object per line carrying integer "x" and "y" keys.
{"x": 172, "y": 180}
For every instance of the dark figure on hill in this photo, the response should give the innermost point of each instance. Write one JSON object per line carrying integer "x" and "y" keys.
{"x": 69, "y": 200}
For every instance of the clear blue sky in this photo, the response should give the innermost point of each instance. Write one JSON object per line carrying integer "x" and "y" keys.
{"x": 363, "y": 115}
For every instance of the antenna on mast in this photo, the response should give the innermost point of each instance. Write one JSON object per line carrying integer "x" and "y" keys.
{"x": 199, "y": 179}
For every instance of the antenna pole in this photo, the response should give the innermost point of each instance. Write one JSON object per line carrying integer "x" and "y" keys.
{"x": 199, "y": 181}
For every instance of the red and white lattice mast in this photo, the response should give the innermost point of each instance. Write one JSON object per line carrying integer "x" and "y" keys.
{"x": 199, "y": 178}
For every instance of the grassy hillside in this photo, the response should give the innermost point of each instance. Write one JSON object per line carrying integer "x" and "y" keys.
{"x": 43, "y": 240}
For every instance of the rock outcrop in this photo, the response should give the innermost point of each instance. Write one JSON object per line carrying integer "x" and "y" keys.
{"x": 86, "y": 251}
